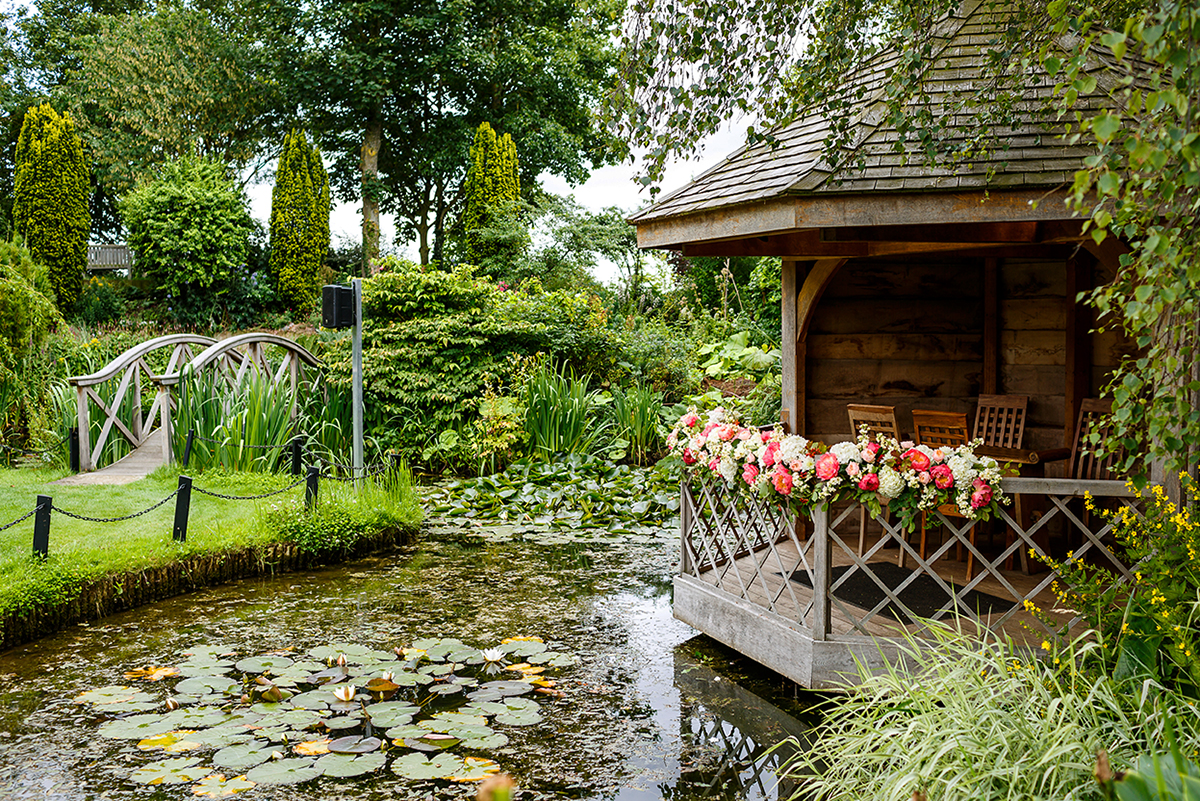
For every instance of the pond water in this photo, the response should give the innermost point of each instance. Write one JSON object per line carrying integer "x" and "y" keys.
{"x": 650, "y": 710}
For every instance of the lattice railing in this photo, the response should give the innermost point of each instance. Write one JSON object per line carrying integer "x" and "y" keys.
{"x": 755, "y": 552}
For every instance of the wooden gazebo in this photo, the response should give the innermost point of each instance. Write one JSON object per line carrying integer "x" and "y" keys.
{"x": 910, "y": 286}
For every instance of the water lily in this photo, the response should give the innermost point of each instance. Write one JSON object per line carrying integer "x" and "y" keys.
{"x": 492, "y": 654}
{"x": 341, "y": 660}
{"x": 345, "y": 693}
{"x": 387, "y": 675}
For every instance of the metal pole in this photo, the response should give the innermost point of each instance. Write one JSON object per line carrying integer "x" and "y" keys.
{"x": 41, "y": 526}
{"x": 183, "y": 504}
{"x": 357, "y": 462}
{"x": 297, "y": 452}
{"x": 187, "y": 446}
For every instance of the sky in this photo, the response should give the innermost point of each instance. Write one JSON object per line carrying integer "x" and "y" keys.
{"x": 608, "y": 186}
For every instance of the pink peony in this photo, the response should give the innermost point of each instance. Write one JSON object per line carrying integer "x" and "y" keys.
{"x": 766, "y": 435}
{"x": 782, "y": 480}
{"x": 916, "y": 458}
{"x": 869, "y": 482}
{"x": 708, "y": 429}
{"x": 942, "y": 477}
{"x": 715, "y": 465}
{"x": 827, "y": 466}
{"x": 727, "y": 432}
{"x": 690, "y": 419}
{"x": 852, "y": 469}
{"x": 688, "y": 456}
{"x": 868, "y": 453}
{"x": 750, "y": 473}
{"x": 982, "y": 495}
{"x": 745, "y": 434}
{"x": 924, "y": 477}
{"x": 939, "y": 456}
{"x": 769, "y": 455}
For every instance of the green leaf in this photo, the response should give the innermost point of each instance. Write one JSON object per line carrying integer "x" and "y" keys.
{"x": 171, "y": 771}
{"x": 284, "y": 771}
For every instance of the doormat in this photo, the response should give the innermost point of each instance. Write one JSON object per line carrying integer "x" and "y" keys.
{"x": 923, "y": 596}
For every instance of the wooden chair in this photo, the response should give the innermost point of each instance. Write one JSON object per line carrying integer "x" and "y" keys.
{"x": 1000, "y": 423}
{"x": 1093, "y": 416}
{"x": 880, "y": 422}
{"x": 937, "y": 430}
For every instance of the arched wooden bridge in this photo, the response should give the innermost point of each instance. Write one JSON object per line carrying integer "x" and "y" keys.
{"x": 150, "y": 433}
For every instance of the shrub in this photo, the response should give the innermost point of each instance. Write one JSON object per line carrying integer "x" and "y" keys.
{"x": 51, "y": 190}
{"x": 494, "y": 236}
{"x": 299, "y": 222}
{"x": 189, "y": 230}
{"x": 27, "y": 309}
{"x": 101, "y": 302}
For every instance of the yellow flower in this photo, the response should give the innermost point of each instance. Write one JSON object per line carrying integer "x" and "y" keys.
{"x": 1045, "y": 645}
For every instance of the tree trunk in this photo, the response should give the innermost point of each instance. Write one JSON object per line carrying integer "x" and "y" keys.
{"x": 372, "y": 141}
{"x": 423, "y": 224}
{"x": 439, "y": 219}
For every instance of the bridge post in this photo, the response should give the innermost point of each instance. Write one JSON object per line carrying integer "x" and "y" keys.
{"x": 85, "y": 429}
{"x": 183, "y": 505}
{"x": 164, "y": 395}
{"x": 310, "y": 489}
{"x": 41, "y": 526}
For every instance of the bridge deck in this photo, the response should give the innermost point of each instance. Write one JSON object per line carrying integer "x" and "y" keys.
{"x": 140, "y": 463}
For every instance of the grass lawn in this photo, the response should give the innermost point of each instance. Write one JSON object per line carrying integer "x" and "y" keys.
{"x": 82, "y": 550}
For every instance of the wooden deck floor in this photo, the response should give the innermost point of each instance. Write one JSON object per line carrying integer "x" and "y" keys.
{"x": 762, "y": 578}
{"x": 138, "y": 464}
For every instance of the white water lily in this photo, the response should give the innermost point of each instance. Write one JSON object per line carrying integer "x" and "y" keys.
{"x": 388, "y": 675}
{"x": 492, "y": 654}
{"x": 345, "y": 693}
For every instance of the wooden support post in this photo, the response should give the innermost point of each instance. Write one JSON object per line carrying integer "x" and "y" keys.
{"x": 310, "y": 487}
{"x": 1079, "y": 342}
{"x": 790, "y": 408}
{"x": 822, "y": 571}
{"x": 685, "y": 528}
{"x": 164, "y": 411}
{"x": 297, "y": 455}
{"x": 41, "y": 526}
{"x": 85, "y": 429}
{"x": 990, "y": 382}
{"x": 73, "y": 439}
{"x": 183, "y": 505}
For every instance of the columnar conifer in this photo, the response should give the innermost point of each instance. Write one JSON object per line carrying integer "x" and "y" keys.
{"x": 299, "y": 221}
{"x": 492, "y": 188}
{"x": 50, "y": 198}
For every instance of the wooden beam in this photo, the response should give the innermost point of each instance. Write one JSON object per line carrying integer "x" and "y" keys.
{"x": 1079, "y": 342}
{"x": 791, "y": 407}
{"x": 971, "y": 233}
{"x": 790, "y": 213}
{"x": 990, "y": 379}
{"x": 806, "y": 245}
{"x": 815, "y": 284}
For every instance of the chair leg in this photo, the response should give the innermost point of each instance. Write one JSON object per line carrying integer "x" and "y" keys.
{"x": 862, "y": 528}
{"x": 971, "y": 553}
{"x": 924, "y": 522}
{"x": 902, "y": 560}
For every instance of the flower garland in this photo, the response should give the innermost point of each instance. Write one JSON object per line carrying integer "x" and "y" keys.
{"x": 795, "y": 471}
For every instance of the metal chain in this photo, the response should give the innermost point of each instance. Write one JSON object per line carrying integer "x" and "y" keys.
{"x": 294, "y": 484}
{"x": 30, "y": 452}
{"x": 370, "y": 470}
{"x": 116, "y": 519}
{"x": 23, "y": 517}
{"x": 231, "y": 443}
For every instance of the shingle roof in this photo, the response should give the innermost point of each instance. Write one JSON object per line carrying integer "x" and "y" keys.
{"x": 794, "y": 165}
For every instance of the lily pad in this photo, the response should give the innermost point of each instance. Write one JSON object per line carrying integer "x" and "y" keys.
{"x": 264, "y": 664}
{"x": 151, "y": 673}
{"x": 243, "y": 755}
{"x": 399, "y": 734}
{"x": 445, "y": 766}
{"x": 198, "y": 718}
{"x": 349, "y": 765}
{"x": 217, "y": 786}
{"x": 391, "y": 713}
{"x": 173, "y": 742}
{"x": 507, "y": 688}
{"x": 355, "y": 745}
{"x": 445, "y": 721}
{"x": 170, "y": 771}
{"x": 208, "y": 685}
{"x": 114, "y": 697}
{"x": 136, "y": 727}
{"x": 313, "y": 699}
{"x": 342, "y": 722}
{"x": 221, "y": 736}
{"x": 283, "y": 771}
{"x": 313, "y": 747}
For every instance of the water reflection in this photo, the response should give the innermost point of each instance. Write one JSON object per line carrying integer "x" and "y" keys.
{"x": 649, "y": 713}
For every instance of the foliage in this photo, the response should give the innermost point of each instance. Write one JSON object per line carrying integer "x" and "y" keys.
{"x": 188, "y": 228}
{"x": 979, "y": 721}
{"x": 101, "y": 302}
{"x": 654, "y": 354}
{"x": 345, "y": 517}
{"x": 1161, "y": 777}
{"x": 210, "y": 95}
{"x": 299, "y": 222}
{"x": 1149, "y": 629}
{"x": 737, "y": 357}
{"x": 491, "y": 190}
{"x": 27, "y": 308}
{"x": 576, "y": 497}
{"x": 1140, "y": 188}
{"x": 50, "y": 198}
{"x": 558, "y": 415}
{"x": 637, "y": 419}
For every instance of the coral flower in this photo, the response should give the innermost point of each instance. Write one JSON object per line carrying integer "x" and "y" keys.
{"x": 782, "y": 480}
{"x": 769, "y": 455}
{"x": 688, "y": 456}
{"x": 827, "y": 466}
{"x": 916, "y": 458}
{"x": 924, "y": 477}
{"x": 690, "y": 419}
{"x": 982, "y": 495}
{"x": 869, "y": 482}
{"x": 852, "y": 469}
{"x": 750, "y": 473}
{"x": 943, "y": 478}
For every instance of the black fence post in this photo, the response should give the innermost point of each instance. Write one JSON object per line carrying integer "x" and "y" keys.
{"x": 183, "y": 504}
{"x": 187, "y": 446}
{"x": 310, "y": 489}
{"x": 73, "y": 438}
{"x": 297, "y": 455}
{"x": 41, "y": 526}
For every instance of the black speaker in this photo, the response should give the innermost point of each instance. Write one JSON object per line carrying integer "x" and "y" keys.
{"x": 337, "y": 306}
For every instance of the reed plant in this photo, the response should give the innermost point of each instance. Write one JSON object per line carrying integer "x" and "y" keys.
{"x": 237, "y": 427}
{"x": 967, "y": 720}
{"x": 637, "y": 414}
{"x": 558, "y": 415}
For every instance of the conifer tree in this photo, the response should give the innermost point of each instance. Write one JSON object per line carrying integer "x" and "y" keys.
{"x": 51, "y": 188}
{"x": 493, "y": 232}
{"x": 299, "y": 222}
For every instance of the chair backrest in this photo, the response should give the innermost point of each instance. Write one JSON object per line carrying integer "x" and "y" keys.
{"x": 880, "y": 420}
{"x": 940, "y": 429}
{"x": 1093, "y": 417}
{"x": 1000, "y": 420}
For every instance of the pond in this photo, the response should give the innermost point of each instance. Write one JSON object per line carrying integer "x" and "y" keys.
{"x": 649, "y": 710}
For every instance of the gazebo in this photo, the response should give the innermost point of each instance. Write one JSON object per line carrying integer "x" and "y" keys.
{"x": 916, "y": 287}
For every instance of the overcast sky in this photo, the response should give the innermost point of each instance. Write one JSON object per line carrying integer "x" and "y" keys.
{"x": 609, "y": 186}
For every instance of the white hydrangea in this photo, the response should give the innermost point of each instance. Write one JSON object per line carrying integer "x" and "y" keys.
{"x": 792, "y": 447}
{"x": 891, "y": 483}
{"x": 846, "y": 452}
